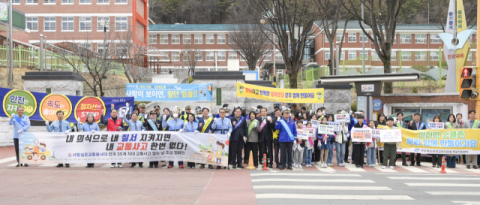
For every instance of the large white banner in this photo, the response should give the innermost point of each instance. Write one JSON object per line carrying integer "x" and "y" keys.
{"x": 107, "y": 147}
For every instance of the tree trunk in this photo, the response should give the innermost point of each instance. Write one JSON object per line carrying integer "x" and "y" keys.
{"x": 332, "y": 60}
{"x": 387, "y": 86}
{"x": 293, "y": 79}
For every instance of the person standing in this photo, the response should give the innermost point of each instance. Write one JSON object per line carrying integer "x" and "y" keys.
{"x": 359, "y": 147}
{"x": 252, "y": 138}
{"x": 134, "y": 125}
{"x": 166, "y": 117}
{"x": 89, "y": 126}
{"x": 402, "y": 124}
{"x": 223, "y": 125}
{"x": 288, "y": 132}
{"x": 332, "y": 144}
{"x": 298, "y": 147}
{"x": 206, "y": 125}
{"x": 239, "y": 133}
{"x": 191, "y": 126}
{"x": 175, "y": 124}
{"x": 472, "y": 124}
{"x": 275, "y": 133}
{"x": 371, "y": 159}
{"x": 59, "y": 125}
{"x": 436, "y": 158}
{"x": 188, "y": 110}
{"x": 340, "y": 141}
{"x": 142, "y": 114}
{"x": 20, "y": 123}
{"x": 265, "y": 137}
{"x": 153, "y": 124}
{"x": 415, "y": 124}
{"x": 390, "y": 148}
{"x": 349, "y": 145}
{"x": 114, "y": 124}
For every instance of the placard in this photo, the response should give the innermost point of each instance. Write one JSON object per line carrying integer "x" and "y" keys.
{"x": 376, "y": 133}
{"x": 342, "y": 117}
{"x": 325, "y": 129}
{"x": 394, "y": 135}
{"x": 337, "y": 127}
{"x": 302, "y": 134}
{"x": 436, "y": 125}
{"x": 361, "y": 135}
{"x": 314, "y": 123}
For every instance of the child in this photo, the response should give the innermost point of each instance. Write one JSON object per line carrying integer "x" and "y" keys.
{"x": 298, "y": 148}
{"x": 308, "y": 148}
{"x": 390, "y": 148}
{"x": 323, "y": 143}
{"x": 332, "y": 145}
{"x": 371, "y": 147}
{"x": 359, "y": 147}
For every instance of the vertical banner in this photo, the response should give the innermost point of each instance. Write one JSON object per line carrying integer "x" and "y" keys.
{"x": 169, "y": 92}
{"x": 4, "y": 12}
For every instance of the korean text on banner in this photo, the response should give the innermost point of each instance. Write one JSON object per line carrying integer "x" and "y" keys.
{"x": 436, "y": 125}
{"x": 391, "y": 135}
{"x": 361, "y": 135}
{"x": 342, "y": 118}
{"x": 169, "y": 92}
{"x": 336, "y": 126}
{"x": 280, "y": 95}
{"x": 302, "y": 134}
{"x": 325, "y": 129}
{"x": 107, "y": 147}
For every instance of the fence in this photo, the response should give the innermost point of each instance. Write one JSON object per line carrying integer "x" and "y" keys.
{"x": 28, "y": 57}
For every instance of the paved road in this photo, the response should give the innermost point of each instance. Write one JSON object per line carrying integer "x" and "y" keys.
{"x": 45, "y": 184}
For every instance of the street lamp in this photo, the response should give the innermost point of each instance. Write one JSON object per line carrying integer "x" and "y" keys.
{"x": 105, "y": 23}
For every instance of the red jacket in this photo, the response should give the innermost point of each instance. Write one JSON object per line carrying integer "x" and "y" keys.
{"x": 113, "y": 125}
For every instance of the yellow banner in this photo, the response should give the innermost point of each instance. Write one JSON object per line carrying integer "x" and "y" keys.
{"x": 441, "y": 141}
{"x": 280, "y": 95}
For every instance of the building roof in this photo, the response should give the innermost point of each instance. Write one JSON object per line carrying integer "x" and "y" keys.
{"x": 353, "y": 24}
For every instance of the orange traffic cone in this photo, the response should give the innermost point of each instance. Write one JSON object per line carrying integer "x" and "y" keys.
{"x": 265, "y": 162}
{"x": 443, "y": 166}
{"x": 250, "y": 161}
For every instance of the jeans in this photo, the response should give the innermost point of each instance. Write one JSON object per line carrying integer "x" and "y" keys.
{"x": 330, "y": 153}
{"x": 308, "y": 155}
{"x": 451, "y": 161}
{"x": 371, "y": 159}
{"x": 340, "y": 147}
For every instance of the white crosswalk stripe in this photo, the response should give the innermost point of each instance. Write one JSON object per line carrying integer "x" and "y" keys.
{"x": 442, "y": 185}
{"x": 467, "y": 202}
{"x": 330, "y": 196}
{"x": 338, "y": 188}
{"x": 454, "y": 193}
{"x": 437, "y": 178}
{"x": 7, "y": 159}
{"x": 352, "y": 168}
{"x": 384, "y": 170}
{"x": 312, "y": 180}
{"x": 303, "y": 174}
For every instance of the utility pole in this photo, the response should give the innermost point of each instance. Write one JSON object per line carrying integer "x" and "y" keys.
{"x": 10, "y": 22}
{"x": 45, "y": 45}
{"x": 363, "y": 44}
{"x": 41, "y": 53}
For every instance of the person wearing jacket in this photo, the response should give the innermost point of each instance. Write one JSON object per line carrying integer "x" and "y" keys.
{"x": 472, "y": 124}
{"x": 239, "y": 132}
{"x": 265, "y": 137}
{"x": 436, "y": 158}
{"x": 371, "y": 159}
{"x": 275, "y": 133}
{"x": 453, "y": 123}
{"x": 206, "y": 125}
{"x": 223, "y": 125}
{"x": 252, "y": 138}
{"x": 390, "y": 148}
{"x": 20, "y": 123}
{"x": 402, "y": 124}
{"x": 323, "y": 144}
{"x": 287, "y": 133}
{"x": 59, "y": 125}
{"x": 298, "y": 147}
{"x": 359, "y": 147}
{"x": 175, "y": 124}
{"x": 332, "y": 144}
{"x": 114, "y": 124}
{"x": 340, "y": 142}
{"x": 89, "y": 126}
{"x": 134, "y": 125}
{"x": 166, "y": 117}
{"x": 153, "y": 124}
{"x": 191, "y": 126}
{"x": 415, "y": 124}
{"x": 348, "y": 145}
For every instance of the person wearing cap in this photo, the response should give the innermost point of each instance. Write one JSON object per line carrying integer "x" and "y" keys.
{"x": 265, "y": 137}
{"x": 153, "y": 124}
{"x": 59, "y": 125}
{"x": 142, "y": 114}
{"x": 198, "y": 113}
{"x": 20, "y": 123}
{"x": 158, "y": 111}
{"x": 239, "y": 133}
{"x": 389, "y": 148}
{"x": 288, "y": 132}
{"x": 89, "y": 126}
{"x": 188, "y": 110}
{"x": 175, "y": 124}
{"x": 415, "y": 124}
{"x": 134, "y": 125}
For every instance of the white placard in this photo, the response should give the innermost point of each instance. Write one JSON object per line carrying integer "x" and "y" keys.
{"x": 436, "y": 125}
{"x": 342, "y": 117}
{"x": 325, "y": 129}
{"x": 391, "y": 135}
{"x": 337, "y": 126}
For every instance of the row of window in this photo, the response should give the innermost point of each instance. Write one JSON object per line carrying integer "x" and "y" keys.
{"x": 85, "y": 23}
{"x": 210, "y": 56}
{"x": 404, "y": 38}
{"x": 71, "y": 1}
{"x": 187, "y": 39}
{"x": 406, "y": 55}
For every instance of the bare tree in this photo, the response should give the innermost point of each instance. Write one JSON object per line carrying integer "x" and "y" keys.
{"x": 191, "y": 55}
{"x": 331, "y": 14}
{"x": 132, "y": 56}
{"x": 383, "y": 27}
{"x": 292, "y": 23}
{"x": 250, "y": 42}
{"x": 441, "y": 8}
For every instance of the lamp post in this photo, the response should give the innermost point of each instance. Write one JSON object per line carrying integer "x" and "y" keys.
{"x": 41, "y": 52}
{"x": 45, "y": 45}
{"x": 10, "y": 22}
{"x": 105, "y": 23}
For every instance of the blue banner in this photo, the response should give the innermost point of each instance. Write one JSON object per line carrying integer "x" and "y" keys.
{"x": 44, "y": 106}
{"x": 170, "y": 92}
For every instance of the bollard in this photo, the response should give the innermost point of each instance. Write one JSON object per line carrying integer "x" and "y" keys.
{"x": 443, "y": 166}
{"x": 265, "y": 168}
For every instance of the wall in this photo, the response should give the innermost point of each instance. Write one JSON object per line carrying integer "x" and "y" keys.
{"x": 6, "y": 132}
{"x": 111, "y": 91}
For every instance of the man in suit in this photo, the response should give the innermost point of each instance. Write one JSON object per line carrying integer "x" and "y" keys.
{"x": 237, "y": 138}
{"x": 416, "y": 124}
{"x": 265, "y": 137}
{"x": 401, "y": 124}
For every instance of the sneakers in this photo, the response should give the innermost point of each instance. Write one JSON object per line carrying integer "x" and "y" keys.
{"x": 181, "y": 166}
{"x": 299, "y": 166}
{"x": 349, "y": 158}
{"x": 391, "y": 167}
{"x": 384, "y": 167}
{"x": 170, "y": 166}
{"x": 468, "y": 166}
{"x": 475, "y": 166}
{"x": 113, "y": 166}
{"x": 341, "y": 165}
{"x": 120, "y": 166}
{"x": 330, "y": 165}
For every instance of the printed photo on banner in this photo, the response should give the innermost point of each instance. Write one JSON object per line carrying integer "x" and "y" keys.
{"x": 280, "y": 95}
{"x": 302, "y": 134}
{"x": 391, "y": 135}
{"x": 361, "y": 135}
{"x": 436, "y": 125}
{"x": 326, "y": 129}
{"x": 342, "y": 118}
{"x": 336, "y": 126}
{"x": 169, "y": 92}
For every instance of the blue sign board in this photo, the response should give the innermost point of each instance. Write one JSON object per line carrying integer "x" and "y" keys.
{"x": 377, "y": 104}
{"x": 169, "y": 92}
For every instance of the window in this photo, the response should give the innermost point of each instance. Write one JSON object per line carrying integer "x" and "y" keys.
{"x": 67, "y": 24}
{"x": 152, "y": 39}
{"x": 121, "y": 49}
{"x": 364, "y": 39}
{"x": 209, "y": 39}
{"x": 175, "y": 55}
{"x": 366, "y": 55}
{"x": 67, "y": 1}
{"x": 420, "y": 56}
{"x": 198, "y": 56}
{"x": 198, "y": 39}
{"x": 101, "y": 48}
{"x": 231, "y": 39}
{"x": 163, "y": 39}
{"x": 375, "y": 56}
{"x": 327, "y": 55}
{"x": 434, "y": 56}
{"x": 278, "y": 56}
{"x": 221, "y": 39}
{"x": 342, "y": 55}
{"x": 435, "y": 38}
{"x": 85, "y": 23}
{"x": 85, "y": 1}
{"x": 49, "y": 1}
{"x": 86, "y": 45}
{"x": 393, "y": 56}
{"x": 469, "y": 58}
{"x": 176, "y": 39}
{"x": 103, "y": 1}
{"x": 120, "y": 1}
{"x": 32, "y": 1}
{"x": 420, "y": 38}
{"x": 352, "y": 37}
{"x": 405, "y": 38}
{"x": 221, "y": 56}
{"x": 121, "y": 23}
{"x": 326, "y": 39}
{"x": 267, "y": 56}
{"x": 49, "y": 24}
{"x": 232, "y": 55}
{"x": 103, "y": 22}
{"x": 406, "y": 55}
{"x": 352, "y": 55}
{"x": 32, "y": 23}
{"x": 209, "y": 56}
{"x": 187, "y": 39}
{"x": 16, "y": 1}
{"x": 339, "y": 37}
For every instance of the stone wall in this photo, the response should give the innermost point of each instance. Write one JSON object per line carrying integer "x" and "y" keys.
{"x": 337, "y": 97}
{"x": 64, "y": 87}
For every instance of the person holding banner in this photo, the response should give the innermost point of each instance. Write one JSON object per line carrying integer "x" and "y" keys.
{"x": 436, "y": 158}
{"x": 452, "y": 124}
{"x": 114, "y": 124}
{"x": 402, "y": 124}
{"x": 134, "y": 125}
{"x": 191, "y": 126}
{"x": 332, "y": 143}
{"x": 473, "y": 124}
{"x": 153, "y": 124}
{"x": 340, "y": 141}
{"x": 275, "y": 133}
{"x": 166, "y": 116}
{"x": 298, "y": 147}
{"x": 175, "y": 124}
{"x": 222, "y": 125}
{"x": 206, "y": 124}
{"x": 359, "y": 147}
{"x": 324, "y": 143}
{"x": 239, "y": 132}
{"x": 89, "y": 126}
{"x": 252, "y": 138}
{"x": 20, "y": 123}
{"x": 389, "y": 148}
{"x": 288, "y": 132}
{"x": 265, "y": 137}
{"x": 142, "y": 114}
{"x": 59, "y": 125}
{"x": 416, "y": 124}
{"x": 308, "y": 149}
{"x": 371, "y": 158}
{"x": 349, "y": 145}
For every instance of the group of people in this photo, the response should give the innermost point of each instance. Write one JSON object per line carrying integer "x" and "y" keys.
{"x": 262, "y": 132}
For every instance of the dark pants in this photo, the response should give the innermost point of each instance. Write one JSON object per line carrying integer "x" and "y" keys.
{"x": 276, "y": 146}
{"x": 247, "y": 155}
{"x": 316, "y": 152}
{"x": 191, "y": 164}
{"x": 412, "y": 158}
{"x": 154, "y": 164}
{"x": 266, "y": 148}
{"x": 437, "y": 159}
{"x": 286, "y": 147}
{"x": 346, "y": 151}
{"x": 358, "y": 154}
{"x": 389, "y": 152}
{"x": 252, "y": 146}
{"x": 235, "y": 156}
{"x": 451, "y": 162}
{"x": 90, "y": 164}
{"x": 179, "y": 163}
{"x": 404, "y": 158}
{"x": 139, "y": 163}
{"x": 15, "y": 143}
